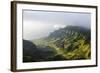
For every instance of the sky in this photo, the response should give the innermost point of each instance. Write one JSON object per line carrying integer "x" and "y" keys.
{"x": 39, "y": 24}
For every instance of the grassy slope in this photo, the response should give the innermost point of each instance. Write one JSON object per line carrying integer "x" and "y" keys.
{"x": 73, "y": 46}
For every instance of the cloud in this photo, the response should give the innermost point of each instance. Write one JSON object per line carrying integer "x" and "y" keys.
{"x": 58, "y": 26}
{"x": 37, "y": 24}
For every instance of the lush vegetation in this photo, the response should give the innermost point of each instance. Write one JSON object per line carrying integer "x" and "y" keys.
{"x": 69, "y": 43}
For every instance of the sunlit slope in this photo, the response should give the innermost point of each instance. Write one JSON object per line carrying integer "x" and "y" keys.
{"x": 70, "y": 43}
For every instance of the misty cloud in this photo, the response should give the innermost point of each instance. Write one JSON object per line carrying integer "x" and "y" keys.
{"x": 38, "y": 24}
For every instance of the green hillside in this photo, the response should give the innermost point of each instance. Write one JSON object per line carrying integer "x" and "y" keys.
{"x": 69, "y": 43}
